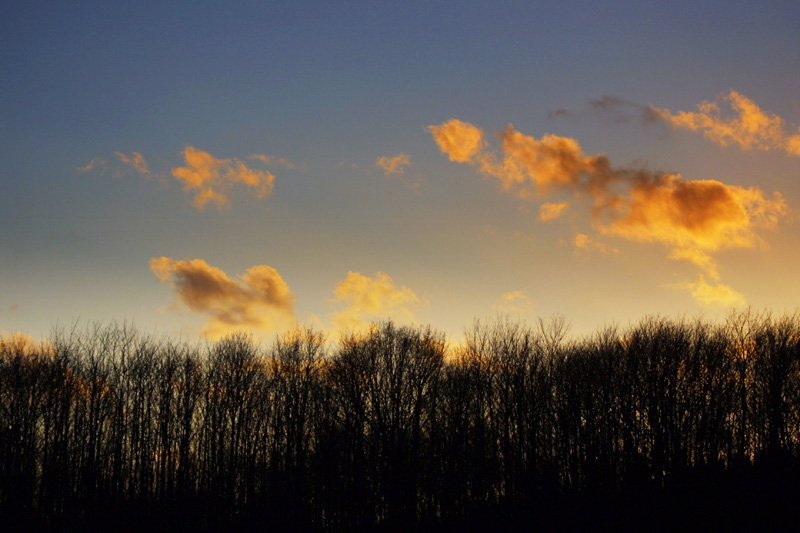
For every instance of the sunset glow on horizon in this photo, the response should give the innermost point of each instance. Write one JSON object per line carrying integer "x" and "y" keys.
{"x": 205, "y": 169}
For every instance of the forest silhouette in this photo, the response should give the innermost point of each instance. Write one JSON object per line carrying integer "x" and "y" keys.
{"x": 664, "y": 424}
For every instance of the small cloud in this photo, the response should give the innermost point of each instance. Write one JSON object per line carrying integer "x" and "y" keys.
{"x": 394, "y": 164}
{"x": 210, "y": 178}
{"x": 514, "y": 302}
{"x": 548, "y": 211}
{"x": 135, "y": 160}
{"x": 623, "y": 111}
{"x": 372, "y": 298}
{"x": 584, "y": 244}
{"x": 561, "y": 112}
{"x": 95, "y": 163}
{"x": 747, "y": 125}
{"x": 461, "y": 141}
{"x": 259, "y": 300}
{"x": 709, "y": 295}
{"x": 270, "y": 159}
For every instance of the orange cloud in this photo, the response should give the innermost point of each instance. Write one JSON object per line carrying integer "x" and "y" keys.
{"x": 748, "y": 126}
{"x": 548, "y": 211}
{"x": 693, "y": 218}
{"x": 549, "y": 164}
{"x": 211, "y": 178}
{"x": 394, "y": 164}
{"x": 461, "y": 141}
{"x": 135, "y": 160}
{"x": 91, "y": 165}
{"x": 514, "y": 302}
{"x": 530, "y": 166}
{"x": 375, "y": 297}
{"x": 259, "y": 300}
{"x": 713, "y": 295}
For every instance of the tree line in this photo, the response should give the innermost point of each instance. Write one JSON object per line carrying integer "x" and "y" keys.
{"x": 109, "y": 425}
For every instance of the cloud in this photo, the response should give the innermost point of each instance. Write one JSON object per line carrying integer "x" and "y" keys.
{"x": 374, "y": 298}
{"x": 560, "y": 112}
{"x": 259, "y": 300}
{"x": 692, "y": 218}
{"x": 269, "y": 159}
{"x": 394, "y": 164}
{"x": 461, "y": 141}
{"x": 93, "y": 164}
{"x": 210, "y": 178}
{"x": 136, "y": 161}
{"x": 585, "y": 244}
{"x": 514, "y": 302}
{"x": 747, "y": 125}
{"x": 624, "y": 111}
{"x": 712, "y": 295}
{"x": 695, "y": 217}
{"x": 548, "y": 211}
{"x": 542, "y": 167}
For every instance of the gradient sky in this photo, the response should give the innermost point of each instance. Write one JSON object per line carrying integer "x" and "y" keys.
{"x": 198, "y": 167}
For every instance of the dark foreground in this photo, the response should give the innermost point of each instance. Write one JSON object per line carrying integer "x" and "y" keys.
{"x": 665, "y": 425}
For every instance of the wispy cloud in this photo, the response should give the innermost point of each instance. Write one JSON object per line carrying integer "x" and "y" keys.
{"x": 394, "y": 164}
{"x": 95, "y": 164}
{"x": 515, "y": 302}
{"x": 271, "y": 159}
{"x": 623, "y": 111}
{"x": 211, "y": 179}
{"x": 746, "y": 125}
{"x": 550, "y": 211}
{"x": 708, "y": 295}
{"x": 259, "y": 300}
{"x": 135, "y": 161}
{"x": 584, "y": 244}
{"x": 372, "y": 298}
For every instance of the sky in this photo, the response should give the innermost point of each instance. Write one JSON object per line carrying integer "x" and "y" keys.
{"x": 198, "y": 168}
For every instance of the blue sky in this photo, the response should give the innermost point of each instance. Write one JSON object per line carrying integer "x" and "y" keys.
{"x": 325, "y": 90}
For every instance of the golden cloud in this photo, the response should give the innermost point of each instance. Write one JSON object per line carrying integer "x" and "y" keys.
{"x": 259, "y": 300}
{"x": 136, "y": 161}
{"x": 549, "y": 164}
{"x": 584, "y": 244}
{"x": 211, "y": 178}
{"x": 530, "y": 166}
{"x": 461, "y": 141}
{"x": 375, "y": 297}
{"x": 748, "y": 126}
{"x": 514, "y": 302}
{"x": 394, "y": 164}
{"x": 713, "y": 295}
{"x": 548, "y": 211}
{"x": 693, "y": 218}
